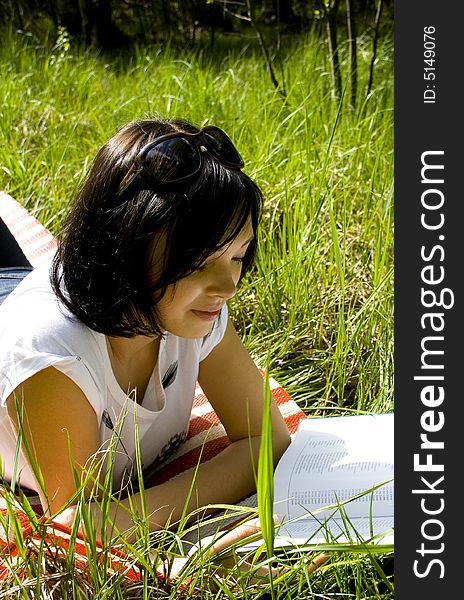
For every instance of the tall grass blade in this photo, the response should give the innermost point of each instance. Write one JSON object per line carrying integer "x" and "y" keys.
{"x": 265, "y": 485}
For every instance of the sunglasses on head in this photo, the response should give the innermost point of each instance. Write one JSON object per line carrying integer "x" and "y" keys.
{"x": 177, "y": 157}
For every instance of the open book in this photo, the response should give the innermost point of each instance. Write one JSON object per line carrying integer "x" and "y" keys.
{"x": 343, "y": 465}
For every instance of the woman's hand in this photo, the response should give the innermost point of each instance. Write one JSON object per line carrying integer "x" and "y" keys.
{"x": 220, "y": 545}
{"x": 224, "y": 541}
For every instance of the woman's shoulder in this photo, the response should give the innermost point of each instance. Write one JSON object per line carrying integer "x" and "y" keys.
{"x": 37, "y": 332}
{"x": 32, "y": 318}
{"x": 31, "y": 295}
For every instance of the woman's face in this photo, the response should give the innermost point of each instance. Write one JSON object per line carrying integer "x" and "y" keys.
{"x": 190, "y": 307}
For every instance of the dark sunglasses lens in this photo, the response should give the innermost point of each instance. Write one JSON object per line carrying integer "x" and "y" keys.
{"x": 172, "y": 160}
{"x": 222, "y": 145}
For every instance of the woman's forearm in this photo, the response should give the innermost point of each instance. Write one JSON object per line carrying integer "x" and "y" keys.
{"x": 226, "y": 478}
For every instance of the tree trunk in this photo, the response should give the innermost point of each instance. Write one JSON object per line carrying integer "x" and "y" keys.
{"x": 374, "y": 46}
{"x": 351, "y": 26}
{"x": 91, "y": 21}
{"x": 331, "y": 25}
{"x": 166, "y": 14}
{"x": 103, "y": 33}
{"x": 264, "y": 50}
{"x": 69, "y": 16}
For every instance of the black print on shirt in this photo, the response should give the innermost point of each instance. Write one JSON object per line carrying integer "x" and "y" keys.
{"x": 166, "y": 451}
{"x": 170, "y": 375}
{"x": 107, "y": 420}
{"x": 109, "y": 424}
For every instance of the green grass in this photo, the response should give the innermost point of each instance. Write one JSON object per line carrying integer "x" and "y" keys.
{"x": 318, "y": 306}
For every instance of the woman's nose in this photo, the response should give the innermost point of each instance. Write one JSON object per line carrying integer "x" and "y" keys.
{"x": 223, "y": 283}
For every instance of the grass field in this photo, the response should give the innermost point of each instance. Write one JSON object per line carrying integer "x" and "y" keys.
{"x": 319, "y": 303}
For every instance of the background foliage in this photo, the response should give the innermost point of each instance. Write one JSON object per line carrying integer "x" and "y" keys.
{"x": 305, "y": 89}
{"x": 319, "y": 301}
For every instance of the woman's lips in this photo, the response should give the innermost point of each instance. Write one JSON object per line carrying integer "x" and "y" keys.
{"x": 206, "y": 315}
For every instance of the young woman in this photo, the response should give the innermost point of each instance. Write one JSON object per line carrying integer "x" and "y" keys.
{"x": 106, "y": 344}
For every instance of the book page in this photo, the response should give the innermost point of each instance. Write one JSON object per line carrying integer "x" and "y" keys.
{"x": 329, "y": 461}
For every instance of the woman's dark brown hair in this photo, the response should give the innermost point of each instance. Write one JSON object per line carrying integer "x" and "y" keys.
{"x": 101, "y": 269}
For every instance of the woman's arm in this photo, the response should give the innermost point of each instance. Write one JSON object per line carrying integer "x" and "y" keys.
{"x": 57, "y": 425}
{"x": 234, "y": 387}
{"x": 59, "y": 428}
{"x": 57, "y": 416}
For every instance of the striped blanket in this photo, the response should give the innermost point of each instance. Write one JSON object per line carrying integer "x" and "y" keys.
{"x": 206, "y": 436}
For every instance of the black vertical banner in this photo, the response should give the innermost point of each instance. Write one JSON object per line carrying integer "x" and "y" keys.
{"x": 429, "y": 236}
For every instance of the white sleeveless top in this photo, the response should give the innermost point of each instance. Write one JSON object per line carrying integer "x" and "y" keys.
{"x": 37, "y": 332}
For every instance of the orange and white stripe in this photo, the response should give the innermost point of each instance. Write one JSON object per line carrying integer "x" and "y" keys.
{"x": 35, "y": 241}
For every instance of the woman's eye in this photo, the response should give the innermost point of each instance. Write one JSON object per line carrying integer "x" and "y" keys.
{"x": 236, "y": 259}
